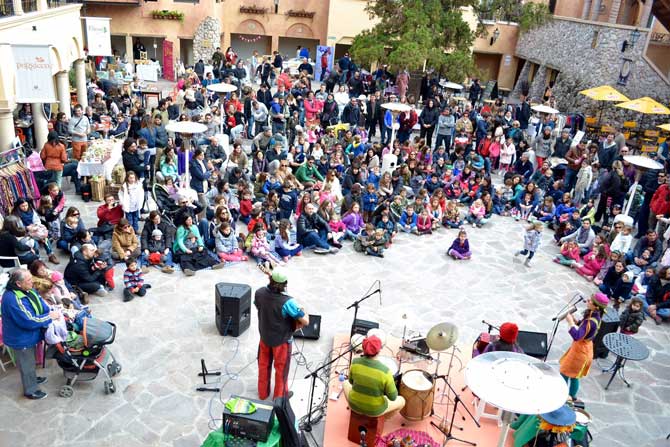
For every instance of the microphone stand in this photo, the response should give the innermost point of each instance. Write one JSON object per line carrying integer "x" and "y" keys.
{"x": 356, "y": 305}
{"x": 573, "y": 301}
{"x": 313, "y": 374}
{"x": 457, "y": 400}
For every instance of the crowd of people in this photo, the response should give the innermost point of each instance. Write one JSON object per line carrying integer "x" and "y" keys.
{"x": 307, "y": 170}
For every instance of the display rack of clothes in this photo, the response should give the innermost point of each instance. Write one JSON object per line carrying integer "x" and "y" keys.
{"x": 16, "y": 181}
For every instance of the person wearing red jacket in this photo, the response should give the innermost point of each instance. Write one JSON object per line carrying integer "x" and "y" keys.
{"x": 407, "y": 121}
{"x": 109, "y": 214}
{"x": 660, "y": 205}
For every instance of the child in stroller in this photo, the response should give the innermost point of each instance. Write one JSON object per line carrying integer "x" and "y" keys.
{"x": 79, "y": 345}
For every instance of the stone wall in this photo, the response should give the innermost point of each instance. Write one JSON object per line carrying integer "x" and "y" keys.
{"x": 566, "y": 45}
{"x": 207, "y": 37}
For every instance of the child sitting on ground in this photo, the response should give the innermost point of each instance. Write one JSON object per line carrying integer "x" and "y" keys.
{"x": 569, "y": 254}
{"x": 477, "y": 213}
{"x": 424, "y": 223}
{"x": 452, "y": 215}
{"x": 525, "y": 207}
{"x": 531, "y": 241}
{"x": 460, "y": 248}
{"x": 388, "y": 226}
{"x": 260, "y": 248}
{"x": 546, "y": 211}
{"x": 227, "y": 247}
{"x": 376, "y": 243}
{"x": 284, "y": 245}
{"x": 408, "y": 220}
{"x": 133, "y": 281}
{"x": 632, "y": 317}
{"x": 157, "y": 253}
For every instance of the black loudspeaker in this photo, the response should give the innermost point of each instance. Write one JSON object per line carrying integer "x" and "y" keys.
{"x": 233, "y": 308}
{"x": 312, "y": 331}
{"x": 363, "y": 326}
{"x": 608, "y": 324}
{"x": 533, "y": 344}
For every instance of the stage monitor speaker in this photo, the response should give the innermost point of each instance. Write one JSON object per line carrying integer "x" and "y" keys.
{"x": 363, "y": 326}
{"x": 608, "y": 324}
{"x": 233, "y": 308}
{"x": 533, "y": 344}
{"x": 312, "y": 331}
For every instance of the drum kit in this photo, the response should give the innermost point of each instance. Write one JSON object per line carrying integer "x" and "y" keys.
{"x": 507, "y": 380}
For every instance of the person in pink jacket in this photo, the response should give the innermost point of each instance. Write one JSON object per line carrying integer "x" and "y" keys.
{"x": 591, "y": 263}
{"x": 424, "y": 222}
{"x": 312, "y": 109}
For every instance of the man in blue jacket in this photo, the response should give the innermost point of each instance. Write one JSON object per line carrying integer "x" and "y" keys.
{"x": 25, "y": 315}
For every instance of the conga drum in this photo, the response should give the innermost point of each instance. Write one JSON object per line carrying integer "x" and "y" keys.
{"x": 418, "y": 389}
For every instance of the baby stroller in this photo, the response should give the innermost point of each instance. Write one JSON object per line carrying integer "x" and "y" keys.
{"x": 85, "y": 354}
{"x": 166, "y": 205}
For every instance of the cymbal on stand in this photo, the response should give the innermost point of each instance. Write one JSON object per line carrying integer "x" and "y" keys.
{"x": 442, "y": 336}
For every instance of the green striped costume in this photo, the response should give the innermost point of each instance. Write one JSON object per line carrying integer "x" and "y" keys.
{"x": 371, "y": 380}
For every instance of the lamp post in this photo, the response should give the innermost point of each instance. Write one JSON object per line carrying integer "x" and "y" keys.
{"x": 495, "y": 36}
{"x": 631, "y": 41}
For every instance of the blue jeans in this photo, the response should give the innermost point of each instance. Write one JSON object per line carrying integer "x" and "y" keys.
{"x": 283, "y": 252}
{"x": 570, "y": 179}
{"x": 385, "y": 134}
{"x": 167, "y": 259}
{"x": 134, "y": 220}
{"x": 343, "y": 77}
{"x": 314, "y": 239}
{"x": 70, "y": 170}
{"x": 663, "y": 313}
{"x": 443, "y": 140}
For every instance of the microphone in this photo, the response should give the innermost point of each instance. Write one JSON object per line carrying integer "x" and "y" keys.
{"x": 562, "y": 315}
{"x": 379, "y": 289}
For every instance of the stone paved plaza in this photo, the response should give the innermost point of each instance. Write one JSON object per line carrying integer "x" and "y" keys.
{"x": 162, "y": 337}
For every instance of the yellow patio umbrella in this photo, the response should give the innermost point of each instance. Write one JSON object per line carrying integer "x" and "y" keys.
{"x": 604, "y": 93}
{"x": 665, "y": 127}
{"x": 646, "y": 106}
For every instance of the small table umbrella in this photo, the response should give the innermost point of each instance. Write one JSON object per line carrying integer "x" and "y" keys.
{"x": 665, "y": 127}
{"x": 451, "y": 85}
{"x": 545, "y": 109}
{"x": 187, "y": 128}
{"x": 221, "y": 88}
{"x": 396, "y": 109}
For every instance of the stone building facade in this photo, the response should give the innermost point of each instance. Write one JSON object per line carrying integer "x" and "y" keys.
{"x": 588, "y": 54}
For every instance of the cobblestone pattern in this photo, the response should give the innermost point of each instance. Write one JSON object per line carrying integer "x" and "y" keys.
{"x": 162, "y": 337}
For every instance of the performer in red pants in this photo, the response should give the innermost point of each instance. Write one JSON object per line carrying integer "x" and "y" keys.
{"x": 279, "y": 315}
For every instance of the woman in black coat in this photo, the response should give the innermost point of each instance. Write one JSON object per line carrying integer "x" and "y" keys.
{"x": 12, "y": 243}
{"x": 428, "y": 121}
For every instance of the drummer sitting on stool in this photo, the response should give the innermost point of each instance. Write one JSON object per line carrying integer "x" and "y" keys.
{"x": 507, "y": 341}
{"x": 371, "y": 390}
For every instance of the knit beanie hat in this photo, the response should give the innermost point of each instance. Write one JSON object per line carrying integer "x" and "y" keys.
{"x": 509, "y": 332}
{"x": 600, "y": 300}
{"x": 372, "y": 345}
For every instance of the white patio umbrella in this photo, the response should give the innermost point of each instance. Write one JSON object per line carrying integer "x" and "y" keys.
{"x": 451, "y": 85}
{"x": 396, "y": 109}
{"x": 545, "y": 109}
{"x": 187, "y": 128}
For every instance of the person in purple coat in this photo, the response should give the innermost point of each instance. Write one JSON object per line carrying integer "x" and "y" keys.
{"x": 460, "y": 248}
{"x": 353, "y": 220}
